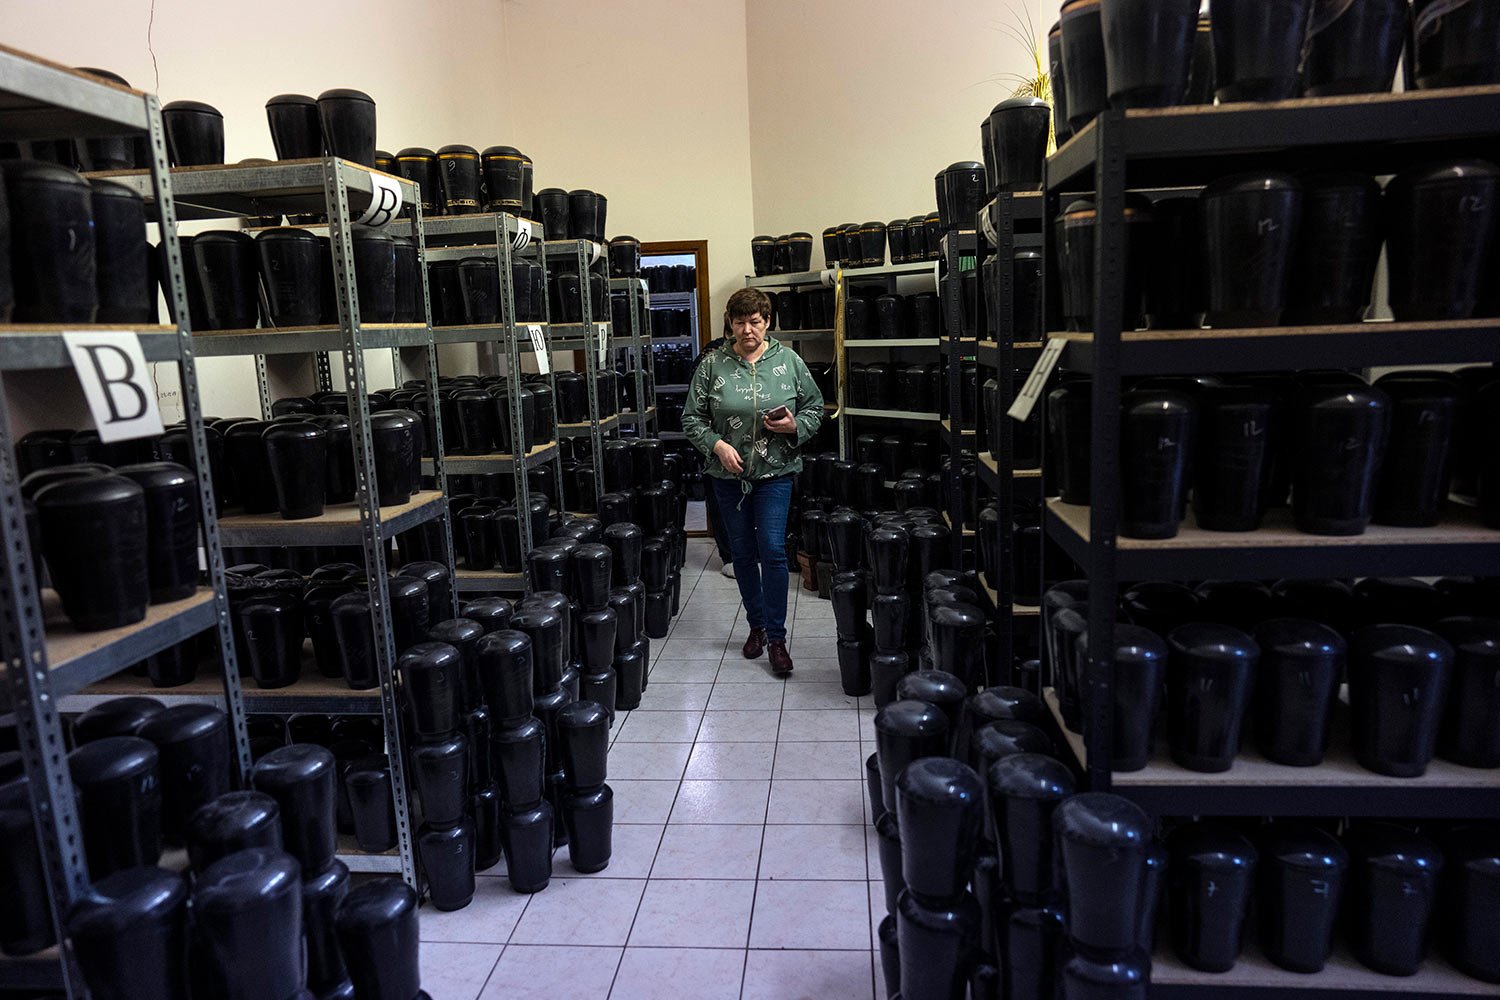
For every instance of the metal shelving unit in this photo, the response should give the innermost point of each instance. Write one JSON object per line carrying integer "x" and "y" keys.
{"x": 1008, "y": 223}
{"x": 500, "y": 347}
{"x": 637, "y": 344}
{"x": 339, "y": 189}
{"x": 591, "y": 338}
{"x": 959, "y": 257}
{"x": 1377, "y": 134}
{"x": 44, "y": 657}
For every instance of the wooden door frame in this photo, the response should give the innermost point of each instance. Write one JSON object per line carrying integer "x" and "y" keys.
{"x": 699, "y": 250}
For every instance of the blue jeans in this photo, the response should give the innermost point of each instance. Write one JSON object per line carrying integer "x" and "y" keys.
{"x": 756, "y": 522}
{"x": 716, "y": 524}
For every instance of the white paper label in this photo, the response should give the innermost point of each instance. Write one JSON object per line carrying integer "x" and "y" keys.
{"x": 539, "y": 348}
{"x": 116, "y": 383}
{"x": 1032, "y": 390}
{"x": 522, "y": 238}
{"x": 826, "y": 277}
{"x": 385, "y": 201}
{"x": 601, "y": 330}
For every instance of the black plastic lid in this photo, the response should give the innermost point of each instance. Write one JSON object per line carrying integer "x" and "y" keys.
{"x": 226, "y": 236}
{"x": 40, "y": 172}
{"x": 87, "y": 491}
{"x": 288, "y": 234}
{"x": 119, "y": 900}
{"x": 1253, "y": 183}
{"x": 502, "y": 152}
{"x": 415, "y": 152}
{"x": 377, "y": 903}
{"x": 109, "y": 189}
{"x": 111, "y": 759}
{"x": 345, "y": 94}
{"x": 458, "y": 149}
{"x": 244, "y": 879}
{"x": 1016, "y": 103}
{"x": 197, "y": 107}
{"x": 157, "y": 473}
{"x": 302, "y": 99}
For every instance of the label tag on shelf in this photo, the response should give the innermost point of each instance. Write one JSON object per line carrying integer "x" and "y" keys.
{"x": 826, "y": 277}
{"x": 116, "y": 383}
{"x": 601, "y": 330}
{"x": 522, "y": 238}
{"x": 385, "y": 201}
{"x": 539, "y": 348}
{"x": 596, "y": 250}
{"x": 1037, "y": 382}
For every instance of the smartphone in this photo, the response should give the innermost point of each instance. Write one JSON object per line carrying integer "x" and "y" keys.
{"x": 778, "y": 413}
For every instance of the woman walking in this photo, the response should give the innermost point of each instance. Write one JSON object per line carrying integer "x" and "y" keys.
{"x": 750, "y": 407}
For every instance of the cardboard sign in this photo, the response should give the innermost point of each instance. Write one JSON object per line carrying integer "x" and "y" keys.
{"x": 539, "y": 348}
{"x": 1037, "y": 382}
{"x": 116, "y": 383}
{"x": 522, "y": 238}
{"x": 385, "y": 201}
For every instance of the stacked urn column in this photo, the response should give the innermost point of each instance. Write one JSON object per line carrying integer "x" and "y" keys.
{"x": 992, "y": 888}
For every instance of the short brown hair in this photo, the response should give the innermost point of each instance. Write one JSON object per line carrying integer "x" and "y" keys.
{"x": 748, "y": 302}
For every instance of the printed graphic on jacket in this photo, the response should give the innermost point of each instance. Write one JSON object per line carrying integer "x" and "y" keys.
{"x": 728, "y": 398}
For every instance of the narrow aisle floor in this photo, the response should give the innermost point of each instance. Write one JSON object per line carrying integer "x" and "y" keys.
{"x": 744, "y": 864}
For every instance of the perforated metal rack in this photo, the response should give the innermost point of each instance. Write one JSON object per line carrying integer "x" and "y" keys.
{"x": 637, "y": 344}
{"x": 1008, "y": 223}
{"x": 45, "y": 659}
{"x": 293, "y": 361}
{"x": 1189, "y": 146}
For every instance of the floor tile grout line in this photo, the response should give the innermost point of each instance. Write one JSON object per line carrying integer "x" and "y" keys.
{"x": 765, "y": 821}
{"x": 491, "y": 974}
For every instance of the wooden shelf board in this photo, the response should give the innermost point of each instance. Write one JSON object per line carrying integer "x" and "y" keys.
{"x": 1461, "y": 527}
{"x": 1254, "y": 970}
{"x": 1250, "y": 770}
{"x": 339, "y": 519}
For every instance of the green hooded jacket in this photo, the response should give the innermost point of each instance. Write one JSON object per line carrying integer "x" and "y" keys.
{"x": 727, "y": 398}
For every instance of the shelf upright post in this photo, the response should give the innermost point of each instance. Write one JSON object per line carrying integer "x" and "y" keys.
{"x": 208, "y": 515}
{"x": 639, "y": 350}
{"x": 1104, "y": 426}
{"x": 953, "y": 323}
{"x": 366, "y": 498}
{"x": 1003, "y": 436}
{"x": 512, "y": 347}
{"x": 38, "y": 728}
{"x": 593, "y": 363}
{"x": 429, "y": 351}
{"x": 555, "y": 502}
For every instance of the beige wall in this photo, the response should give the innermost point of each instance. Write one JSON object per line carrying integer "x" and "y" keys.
{"x": 855, "y": 105}
{"x": 852, "y": 106}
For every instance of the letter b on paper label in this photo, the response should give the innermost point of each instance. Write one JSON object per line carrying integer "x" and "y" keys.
{"x": 116, "y": 383}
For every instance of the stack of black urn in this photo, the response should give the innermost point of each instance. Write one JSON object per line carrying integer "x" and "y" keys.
{"x": 302, "y": 779}
{"x": 114, "y": 541}
{"x": 1340, "y": 452}
{"x": 789, "y": 254}
{"x": 432, "y": 678}
{"x": 302, "y": 460}
{"x": 266, "y": 886}
{"x": 82, "y": 254}
{"x": 1133, "y": 55}
{"x": 519, "y": 666}
{"x": 459, "y": 180}
{"x": 1258, "y": 250}
{"x": 1241, "y": 656}
{"x": 856, "y": 245}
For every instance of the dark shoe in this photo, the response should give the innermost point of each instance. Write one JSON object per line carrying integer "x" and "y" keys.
{"x": 781, "y": 660}
{"x": 755, "y": 644}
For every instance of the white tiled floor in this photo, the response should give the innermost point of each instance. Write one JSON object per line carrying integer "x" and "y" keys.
{"x": 741, "y": 868}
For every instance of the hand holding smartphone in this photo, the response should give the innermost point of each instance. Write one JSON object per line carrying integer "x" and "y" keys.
{"x": 778, "y": 413}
